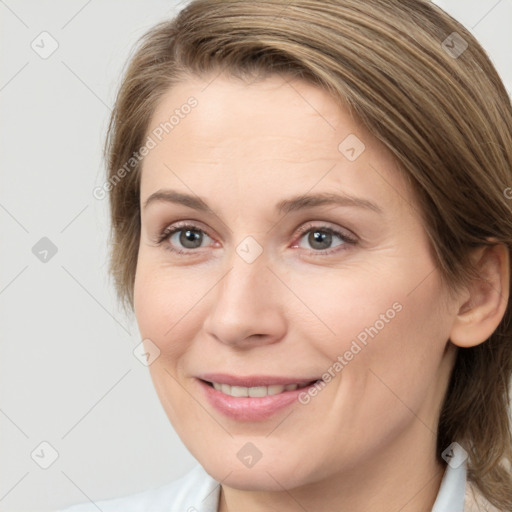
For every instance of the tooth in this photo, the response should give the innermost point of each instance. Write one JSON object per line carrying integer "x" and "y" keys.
{"x": 258, "y": 391}
{"x": 255, "y": 391}
{"x": 275, "y": 389}
{"x": 239, "y": 391}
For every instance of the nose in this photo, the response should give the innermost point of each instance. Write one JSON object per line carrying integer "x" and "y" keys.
{"x": 247, "y": 307}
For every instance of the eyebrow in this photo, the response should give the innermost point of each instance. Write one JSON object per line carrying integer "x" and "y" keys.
{"x": 285, "y": 206}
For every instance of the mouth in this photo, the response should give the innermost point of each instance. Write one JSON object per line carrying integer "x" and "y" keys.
{"x": 256, "y": 398}
{"x": 258, "y": 391}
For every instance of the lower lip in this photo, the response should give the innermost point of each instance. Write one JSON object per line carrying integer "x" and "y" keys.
{"x": 250, "y": 408}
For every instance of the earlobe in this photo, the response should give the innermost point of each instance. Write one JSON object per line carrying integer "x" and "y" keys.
{"x": 483, "y": 306}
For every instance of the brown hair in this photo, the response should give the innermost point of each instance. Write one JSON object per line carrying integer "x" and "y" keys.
{"x": 445, "y": 115}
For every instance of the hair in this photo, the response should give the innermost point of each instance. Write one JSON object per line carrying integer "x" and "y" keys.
{"x": 447, "y": 118}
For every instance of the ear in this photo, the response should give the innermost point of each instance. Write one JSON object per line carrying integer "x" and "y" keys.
{"x": 483, "y": 306}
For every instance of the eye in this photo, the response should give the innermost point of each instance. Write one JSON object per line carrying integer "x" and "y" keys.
{"x": 321, "y": 239}
{"x": 184, "y": 236}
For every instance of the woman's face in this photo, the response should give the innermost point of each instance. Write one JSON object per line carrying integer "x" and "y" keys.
{"x": 299, "y": 255}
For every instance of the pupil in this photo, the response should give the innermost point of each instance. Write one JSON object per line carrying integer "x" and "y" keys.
{"x": 320, "y": 237}
{"x": 190, "y": 236}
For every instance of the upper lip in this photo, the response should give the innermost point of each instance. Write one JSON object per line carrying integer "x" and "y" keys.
{"x": 251, "y": 381}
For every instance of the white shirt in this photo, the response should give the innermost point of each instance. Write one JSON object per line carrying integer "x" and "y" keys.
{"x": 197, "y": 491}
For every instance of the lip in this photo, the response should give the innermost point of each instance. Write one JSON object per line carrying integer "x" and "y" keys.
{"x": 251, "y": 408}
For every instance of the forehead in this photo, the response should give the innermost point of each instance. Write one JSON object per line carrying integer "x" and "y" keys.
{"x": 270, "y": 133}
{"x": 228, "y": 108}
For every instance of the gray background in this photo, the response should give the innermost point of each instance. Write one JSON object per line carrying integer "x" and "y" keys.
{"x": 67, "y": 372}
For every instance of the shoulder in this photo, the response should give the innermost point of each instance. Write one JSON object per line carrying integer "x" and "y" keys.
{"x": 196, "y": 491}
{"x": 474, "y": 500}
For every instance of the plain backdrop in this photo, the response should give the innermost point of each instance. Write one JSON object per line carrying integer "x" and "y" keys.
{"x": 68, "y": 376}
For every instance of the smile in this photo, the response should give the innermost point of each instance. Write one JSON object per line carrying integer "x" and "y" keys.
{"x": 256, "y": 391}
{"x": 254, "y": 398}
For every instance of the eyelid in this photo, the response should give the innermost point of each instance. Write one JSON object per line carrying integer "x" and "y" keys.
{"x": 170, "y": 229}
{"x": 345, "y": 235}
{"x": 323, "y": 226}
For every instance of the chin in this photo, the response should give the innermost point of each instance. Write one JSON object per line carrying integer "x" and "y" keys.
{"x": 272, "y": 475}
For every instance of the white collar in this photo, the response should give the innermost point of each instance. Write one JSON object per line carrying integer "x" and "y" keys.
{"x": 452, "y": 491}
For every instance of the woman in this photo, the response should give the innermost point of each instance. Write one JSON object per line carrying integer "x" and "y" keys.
{"x": 310, "y": 221}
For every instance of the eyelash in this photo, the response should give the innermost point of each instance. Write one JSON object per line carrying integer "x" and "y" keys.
{"x": 176, "y": 228}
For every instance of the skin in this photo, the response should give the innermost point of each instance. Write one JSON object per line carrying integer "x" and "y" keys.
{"x": 367, "y": 440}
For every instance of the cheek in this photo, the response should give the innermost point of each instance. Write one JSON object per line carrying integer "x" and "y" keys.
{"x": 158, "y": 306}
{"x": 392, "y": 353}
{"x": 148, "y": 305}
{"x": 169, "y": 307}
{"x": 385, "y": 327}
{"x": 165, "y": 315}
{"x": 391, "y": 306}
